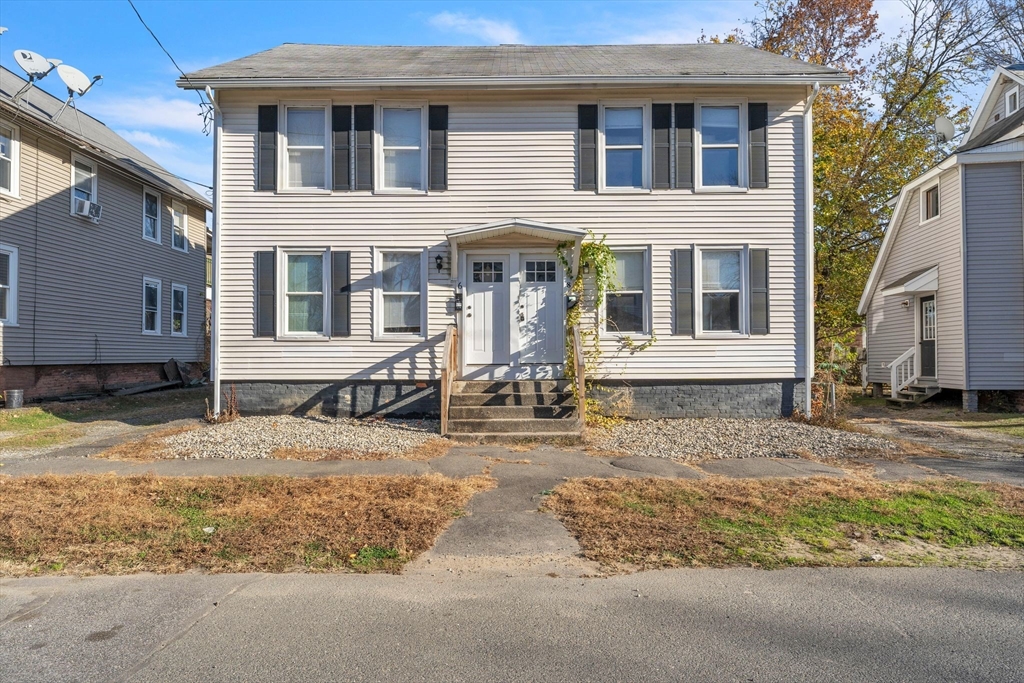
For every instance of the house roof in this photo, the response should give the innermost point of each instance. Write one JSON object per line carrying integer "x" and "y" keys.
{"x": 995, "y": 131}
{"x": 40, "y": 107}
{"x": 340, "y": 65}
{"x": 907, "y": 282}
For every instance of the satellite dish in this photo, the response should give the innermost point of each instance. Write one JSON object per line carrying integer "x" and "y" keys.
{"x": 78, "y": 84}
{"x": 33, "y": 63}
{"x": 944, "y": 129}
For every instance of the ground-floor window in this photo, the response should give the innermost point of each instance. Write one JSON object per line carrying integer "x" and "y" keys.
{"x": 8, "y": 285}
{"x": 400, "y": 288}
{"x": 626, "y": 304}
{"x": 151, "y": 306}
{"x": 179, "y": 310}
{"x": 721, "y": 282}
{"x": 304, "y": 293}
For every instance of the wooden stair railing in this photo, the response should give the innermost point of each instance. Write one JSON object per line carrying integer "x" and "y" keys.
{"x": 449, "y": 369}
{"x": 580, "y": 367}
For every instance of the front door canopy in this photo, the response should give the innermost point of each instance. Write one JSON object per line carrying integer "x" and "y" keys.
{"x": 924, "y": 280}
{"x": 460, "y": 237}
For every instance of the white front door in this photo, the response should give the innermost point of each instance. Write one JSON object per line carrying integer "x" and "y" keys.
{"x": 540, "y": 310}
{"x": 487, "y": 311}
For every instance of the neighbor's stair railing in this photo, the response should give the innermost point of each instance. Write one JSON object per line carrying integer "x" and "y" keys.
{"x": 903, "y": 371}
{"x": 449, "y": 368}
{"x": 580, "y": 371}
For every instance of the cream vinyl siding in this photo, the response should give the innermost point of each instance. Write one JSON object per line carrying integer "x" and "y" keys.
{"x": 999, "y": 102}
{"x": 891, "y": 327}
{"x": 79, "y": 282}
{"x": 510, "y": 155}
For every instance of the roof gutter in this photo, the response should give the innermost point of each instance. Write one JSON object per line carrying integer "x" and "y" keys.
{"x": 809, "y": 340}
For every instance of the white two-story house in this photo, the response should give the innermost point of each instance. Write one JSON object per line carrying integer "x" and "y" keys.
{"x": 369, "y": 199}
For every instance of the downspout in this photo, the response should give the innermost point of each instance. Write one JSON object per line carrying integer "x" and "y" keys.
{"x": 218, "y": 122}
{"x": 809, "y": 244}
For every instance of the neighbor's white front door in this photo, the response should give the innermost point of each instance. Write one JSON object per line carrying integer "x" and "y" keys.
{"x": 487, "y": 311}
{"x": 540, "y": 310}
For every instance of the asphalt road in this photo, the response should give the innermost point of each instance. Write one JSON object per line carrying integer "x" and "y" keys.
{"x": 687, "y": 625}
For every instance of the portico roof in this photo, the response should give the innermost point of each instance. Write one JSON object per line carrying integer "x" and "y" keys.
{"x": 474, "y": 233}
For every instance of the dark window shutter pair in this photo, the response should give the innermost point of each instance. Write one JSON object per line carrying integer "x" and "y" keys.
{"x": 586, "y": 166}
{"x": 266, "y": 153}
{"x": 683, "y": 278}
{"x": 352, "y": 154}
{"x": 661, "y": 125}
{"x": 341, "y": 294}
{"x": 437, "y": 125}
{"x": 363, "y": 114}
{"x": 757, "y": 123}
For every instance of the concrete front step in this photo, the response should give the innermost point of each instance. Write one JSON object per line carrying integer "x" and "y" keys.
{"x": 510, "y": 412}
{"x": 523, "y": 425}
{"x": 560, "y": 438}
{"x": 540, "y": 386}
{"x": 545, "y": 399}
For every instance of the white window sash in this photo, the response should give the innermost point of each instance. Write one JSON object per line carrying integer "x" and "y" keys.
{"x": 184, "y": 310}
{"x": 379, "y": 147}
{"x": 379, "y": 294}
{"x": 699, "y": 291}
{"x": 646, "y": 292}
{"x": 159, "y": 212}
{"x": 148, "y": 282}
{"x": 743, "y": 171}
{"x": 77, "y": 159}
{"x": 11, "y": 288}
{"x": 176, "y": 229}
{"x": 283, "y": 294}
{"x": 15, "y": 161}
{"x": 1010, "y": 94}
{"x": 282, "y": 144}
{"x": 602, "y": 147}
{"x": 924, "y": 204}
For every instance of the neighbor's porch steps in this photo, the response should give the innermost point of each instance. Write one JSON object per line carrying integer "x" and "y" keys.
{"x": 913, "y": 395}
{"x": 491, "y": 411}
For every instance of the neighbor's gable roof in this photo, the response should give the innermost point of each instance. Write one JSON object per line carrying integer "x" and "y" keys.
{"x": 294, "y": 64}
{"x": 40, "y": 107}
{"x": 1013, "y": 72}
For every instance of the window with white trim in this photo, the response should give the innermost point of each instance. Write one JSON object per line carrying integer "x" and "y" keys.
{"x": 928, "y": 320}
{"x": 721, "y": 285}
{"x": 151, "y": 215}
{"x": 179, "y": 227}
{"x": 8, "y": 285}
{"x": 83, "y": 180}
{"x": 179, "y": 310}
{"x": 625, "y": 305}
{"x": 626, "y": 143}
{"x": 304, "y": 311}
{"x": 10, "y": 139}
{"x": 930, "y": 203}
{"x": 400, "y": 292}
{"x": 402, "y": 140}
{"x": 151, "y": 304}
{"x": 305, "y": 144}
{"x": 720, "y": 153}
{"x": 1012, "y": 99}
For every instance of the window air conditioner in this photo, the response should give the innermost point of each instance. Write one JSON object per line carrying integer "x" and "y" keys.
{"x": 88, "y": 209}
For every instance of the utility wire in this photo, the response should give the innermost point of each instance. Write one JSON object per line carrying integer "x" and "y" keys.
{"x": 207, "y": 108}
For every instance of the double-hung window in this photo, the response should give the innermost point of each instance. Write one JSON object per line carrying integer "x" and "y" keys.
{"x": 151, "y": 215}
{"x": 8, "y": 285}
{"x": 179, "y": 227}
{"x": 304, "y": 312}
{"x": 721, "y": 155}
{"x": 83, "y": 180}
{"x": 400, "y": 287}
{"x": 1012, "y": 100}
{"x": 721, "y": 291}
{"x": 305, "y": 142}
{"x": 625, "y": 142}
{"x": 403, "y": 130}
{"x": 625, "y": 306}
{"x": 151, "y": 301}
{"x": 179, "y": 310}
{"x": 9, "y": 153}
{"x": 930, "y": 203}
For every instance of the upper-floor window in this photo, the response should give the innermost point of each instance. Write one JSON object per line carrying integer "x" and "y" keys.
{"x": 179, "y": 227}
{"x": 403, "y": 130}
{"x": 625, "y": 143}
{"x": 305, "y": 141}
{"x": 9, "y": 157}
{"x": 151, "y": 301}
{"x": 720, "y": 146}
{"x": 1012, "y": 99}
{"x": 930, "y": 207}
{"x": 83, "y": 180}
{"x": 626, "y": 305}
{"x": 151, "y": 215}
{"x": 8, "y": 284}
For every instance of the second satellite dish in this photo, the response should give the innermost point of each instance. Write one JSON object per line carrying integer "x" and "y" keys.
{"x": 77, "y": 82}
{"x": 944, "y": 129}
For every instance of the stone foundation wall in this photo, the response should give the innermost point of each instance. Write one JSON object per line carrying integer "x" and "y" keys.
{"x": 53, "y": 381}
{"x": 337, "y": 399}
{"x": 728, "y": 398}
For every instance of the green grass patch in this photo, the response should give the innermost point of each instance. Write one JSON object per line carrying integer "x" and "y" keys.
{"x": 1012, "y": 425}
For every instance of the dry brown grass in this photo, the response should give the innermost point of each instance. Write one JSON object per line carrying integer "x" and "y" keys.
{"x": 152, "y": 446}
{"x": 718, "y": 522}
{"x": 121, "y": 525}
{"x": 428, "y": 450}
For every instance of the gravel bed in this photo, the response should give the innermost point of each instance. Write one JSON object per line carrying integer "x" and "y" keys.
{"x": 698, "y": 439}
{"x": 258, "y": 437}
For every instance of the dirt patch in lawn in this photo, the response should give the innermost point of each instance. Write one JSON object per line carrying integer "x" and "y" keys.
{"x": 150, "y": 447}
{"x": 649, "y": 523}
{"x": 122, "y": 525}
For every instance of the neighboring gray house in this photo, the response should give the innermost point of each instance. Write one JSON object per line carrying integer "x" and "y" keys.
{"x": 96, "y": 301}
{"x": 371, "y": 201}
{"x": 945, "y": 299}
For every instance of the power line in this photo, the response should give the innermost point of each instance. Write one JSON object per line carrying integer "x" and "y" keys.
{"x": 206, "y": 107}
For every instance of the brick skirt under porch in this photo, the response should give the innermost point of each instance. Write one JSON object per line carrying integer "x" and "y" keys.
{"x": 636, "y": 399}
{"x": 53, "y": 381}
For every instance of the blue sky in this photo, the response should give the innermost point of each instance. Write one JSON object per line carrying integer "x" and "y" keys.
{"x": 138, "y": 97}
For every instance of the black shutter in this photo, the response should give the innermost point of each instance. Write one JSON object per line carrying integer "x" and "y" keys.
{"x": 364, "y": 146}
{"x": 341, "y": 127}
{"x": 759, "y": 291}
{"x": 684, "y": 146}
{"x": 661, "y": 124}
{"x": 341, "y": 294}
{"x": 266, "y": 154}
{"x": 438, "y": 126}
{"x": 266, "y": 296}
{"x": 587, "y": 155}
{"x": 683, "y": 259}
{"x": 757, "y": 121}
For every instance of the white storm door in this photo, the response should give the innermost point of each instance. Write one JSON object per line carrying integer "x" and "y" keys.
{"x": 540, "y": 310}
{"x": 487, "y": 311}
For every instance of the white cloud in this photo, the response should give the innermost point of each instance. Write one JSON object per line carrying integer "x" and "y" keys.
{"x": 141, "y": 138}
{"x": 487, "y": 30}
{"x": 149, "y": 112}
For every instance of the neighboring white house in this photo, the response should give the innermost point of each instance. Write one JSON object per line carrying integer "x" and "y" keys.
{"x": 945, "y": 298}
{"x": 369, "y": 197}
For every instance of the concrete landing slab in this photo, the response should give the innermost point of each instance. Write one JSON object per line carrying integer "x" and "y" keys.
{"x": 767, "y": 468}
{"x": 1009, "y": 471}
{"x": 459, "y": 465}
{"x": 659, "y": 467}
